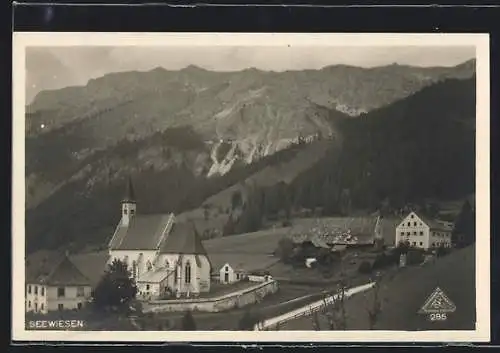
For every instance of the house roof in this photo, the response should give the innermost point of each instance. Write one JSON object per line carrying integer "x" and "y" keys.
{"x": 54, "y": 268}
{"x": 242, "y": 262}
{"x": 334, "y": 229}
{"x": 144, "y": 232}
{"x": 155, "y": 276}
{"x": 434, "y": 224}
{"x": 93, "y": 265}
{"x": 183, "y": 239}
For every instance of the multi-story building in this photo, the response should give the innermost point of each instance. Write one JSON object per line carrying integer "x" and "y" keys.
{"x": 55, "y": 283}
{"x": 421, "y": 232}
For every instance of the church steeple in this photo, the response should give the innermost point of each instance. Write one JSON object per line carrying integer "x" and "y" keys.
{"x": 129, "y": 205}
{"x": 129, "y": 192}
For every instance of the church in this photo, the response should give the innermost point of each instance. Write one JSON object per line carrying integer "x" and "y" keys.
{"x": 166, "y": 258}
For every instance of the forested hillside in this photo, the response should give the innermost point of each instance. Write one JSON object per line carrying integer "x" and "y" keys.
{"x": 419, "y": 148}
{"x": 85, "y": 210}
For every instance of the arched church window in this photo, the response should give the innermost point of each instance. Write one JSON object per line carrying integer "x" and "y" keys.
{"x": 125, "y": 211}
{"x": 187, "y": 273}
{"x": 134, "y": 269}
{"x": 149, "y": 266}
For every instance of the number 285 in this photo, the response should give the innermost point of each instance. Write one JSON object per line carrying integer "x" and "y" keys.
{"x": 437, "y": 316}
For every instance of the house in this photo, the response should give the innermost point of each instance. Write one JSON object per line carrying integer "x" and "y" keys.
{"x": 163, "y": 256}
{"x": 233, "y": 267}
{"x": 422, "y": 232}
{"x": 54, "y": 282}
{"x": 326, "y": 232}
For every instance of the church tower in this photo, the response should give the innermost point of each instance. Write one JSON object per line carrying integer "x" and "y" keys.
{"x": 129, "y": 204}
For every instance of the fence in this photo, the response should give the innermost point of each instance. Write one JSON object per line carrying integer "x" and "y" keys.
{"x": 308, "y": 309}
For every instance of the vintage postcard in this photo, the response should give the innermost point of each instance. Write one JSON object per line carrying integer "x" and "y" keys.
{"x": 251, "y": 187}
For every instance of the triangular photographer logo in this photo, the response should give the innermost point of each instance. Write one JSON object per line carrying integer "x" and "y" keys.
{"x": 438, "y": 302}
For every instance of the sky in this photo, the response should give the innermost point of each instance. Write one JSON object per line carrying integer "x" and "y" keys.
{"x": 58, "y": 67}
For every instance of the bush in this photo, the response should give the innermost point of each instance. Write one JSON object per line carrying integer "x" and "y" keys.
{"x": 381, "y": 261}
{"x": 188, "y": 323}
{"x": 365, "y": 267}
{"x": 442, "y": 251}
{"x": 248, "y": 321}
{"x": 116, "y": 290}
{"x": 414, "y": 257}
{"x": 285, "y": 250}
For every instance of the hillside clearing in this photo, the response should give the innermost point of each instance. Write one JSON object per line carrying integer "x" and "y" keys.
{"x": 403, "y": 294}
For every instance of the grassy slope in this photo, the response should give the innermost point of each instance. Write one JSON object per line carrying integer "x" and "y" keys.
{"x": 403, "y": 295}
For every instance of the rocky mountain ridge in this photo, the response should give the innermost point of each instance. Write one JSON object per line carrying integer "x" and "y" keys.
{"x": 255, "y": 113}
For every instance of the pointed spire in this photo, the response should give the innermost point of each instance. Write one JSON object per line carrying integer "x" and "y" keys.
{"x": 129, "y": 192}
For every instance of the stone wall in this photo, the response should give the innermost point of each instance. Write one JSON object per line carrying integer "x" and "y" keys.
{"x": 229, "y": 301}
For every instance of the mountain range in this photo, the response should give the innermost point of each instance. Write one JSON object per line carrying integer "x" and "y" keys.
{"x": 189, "y": 135}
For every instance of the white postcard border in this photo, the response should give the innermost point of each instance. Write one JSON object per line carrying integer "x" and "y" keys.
{"x": 21, "y": 40}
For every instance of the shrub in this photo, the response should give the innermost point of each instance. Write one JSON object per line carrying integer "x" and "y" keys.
{"x": 414, "y": 257}
{"x": 115, "y": 290}
{"x": 285, "y": 249}
{"x": 442, "y": 251}
{"x": 365, "y": 267}
{"x": 248, "y": 321}
{"x": 188, "y": 323}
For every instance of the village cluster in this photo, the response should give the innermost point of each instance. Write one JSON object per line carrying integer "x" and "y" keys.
{"x": 173, "y": 270}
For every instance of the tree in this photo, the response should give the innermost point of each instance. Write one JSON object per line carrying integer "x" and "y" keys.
{"x": 432, "y": 209}
{"x": 188, "y": 323}
{"x": 206, "y": 212}
{"x": 441, "y": 251}
{"x": 236, "y": 199}
{"x": 285, "y": 249}
{"x": 376, "y": 308}
{"x": 335, "y": 311}
{"x": 345, "y": 202}
{"x": 248, "y": 321}
{"x": 116, "y": 290}
{"x": 402, "y": 248}
{"x": 365, "y": 267}
{"x": 464, "y": 232}
{"x": 229, "y": 227}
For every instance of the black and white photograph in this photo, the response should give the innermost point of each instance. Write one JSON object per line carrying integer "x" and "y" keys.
{"x": 184, "y": 187}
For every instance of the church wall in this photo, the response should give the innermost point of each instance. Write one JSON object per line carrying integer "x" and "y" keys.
{"x": 227, "y": 302}
{"x": 131, "y": 255}
{"x": 168, "y": 261}
{"x": 193, "y": 286}
{"x": 204, "y": 275}
{"x": 200, "y": 277}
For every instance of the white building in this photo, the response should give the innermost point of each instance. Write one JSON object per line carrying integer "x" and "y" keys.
{"x": 228, "y": 274}
{"x": 55, "y": 283}
{"x": 234, "y": 267}
{"x": 420, "y": 232}
{"x": 164, "y": 256}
